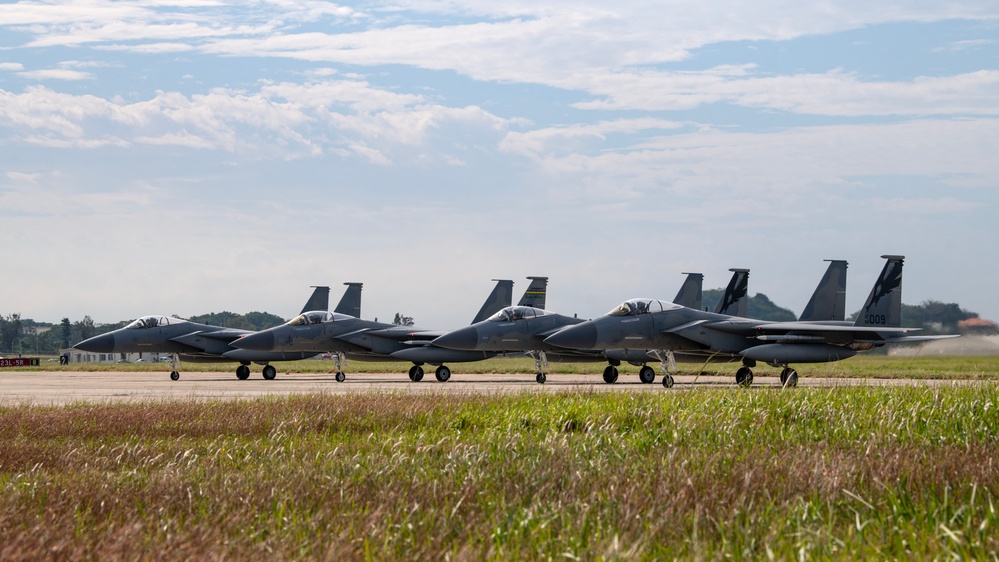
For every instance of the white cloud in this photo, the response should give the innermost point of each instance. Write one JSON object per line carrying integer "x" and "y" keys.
{"x": 284, "y": 120}
{"x": 13, "y": 66}
{"x": 56, "y": 74}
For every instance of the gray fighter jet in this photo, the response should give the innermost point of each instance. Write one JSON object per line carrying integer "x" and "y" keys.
{"x": 366, "y": 340}
{"x": 202, "y": 343}
{"x": 524, "y": 329}
{"x": 666, "y": 327}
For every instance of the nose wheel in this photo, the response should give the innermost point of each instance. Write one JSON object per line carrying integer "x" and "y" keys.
{"x": 541, "y": 378}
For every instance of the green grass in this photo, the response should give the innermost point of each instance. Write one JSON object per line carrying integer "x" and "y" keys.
{"x": 713, "y": 473}
{"x": 861, "y": 366}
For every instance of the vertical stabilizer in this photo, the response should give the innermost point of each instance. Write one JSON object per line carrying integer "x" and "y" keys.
{"x": 735, "y": 301}
{"x": 350, "y": 302}
{"x": 500, "y": 298}
{"x": 536, "y": 293}
{"x": 320, "y": 299}
{"x": 884, "y": 305}
{"x": 689, "y": 294}
{"x": 828, "y": 302}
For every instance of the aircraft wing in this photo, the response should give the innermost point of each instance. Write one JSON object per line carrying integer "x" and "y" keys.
{"x": 213, "y": 342}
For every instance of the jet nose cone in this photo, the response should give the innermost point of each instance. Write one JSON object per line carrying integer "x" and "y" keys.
{"x": 103, "y": 343}
{"x": 261, "y": 341}
{"x": 580, "y": 336}
{"x": 464, "y": 338}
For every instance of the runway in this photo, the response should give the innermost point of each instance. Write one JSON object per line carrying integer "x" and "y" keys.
{"x": 61, "y": 388}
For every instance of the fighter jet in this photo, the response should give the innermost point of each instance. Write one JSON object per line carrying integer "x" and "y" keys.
{"x": 195, "y": 342}
{"x": 524, "y": 329}
{"x": 667, "y": 327}
{"x": 366, "y": 340}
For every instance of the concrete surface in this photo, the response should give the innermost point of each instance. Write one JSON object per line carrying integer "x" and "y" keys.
{"x": 59, "y": 388}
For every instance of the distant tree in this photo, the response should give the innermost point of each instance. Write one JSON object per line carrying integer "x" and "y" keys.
{"x": 401, "y": 320}
{"x": 762, "y": 308}
{"x": 933, "y": 316}
{"x": 10, "y": 333}
{"x": 250, "y": 321}
{"x": 759, "y": 306}
{"x": 223, "y": 319}
{"x": 262, "y": 320}
{"x": 67, "y": 330}
{"x": 86, "y": 328}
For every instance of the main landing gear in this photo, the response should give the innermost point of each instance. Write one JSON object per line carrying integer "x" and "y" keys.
{"x": 443, "y": 373}
{"x": 269, "y": 372}
{"x": 788, "y": 377}
{"x": 243, "y": 372}
{"x": 744, "y": 376}
{"x": 610, "y": 374}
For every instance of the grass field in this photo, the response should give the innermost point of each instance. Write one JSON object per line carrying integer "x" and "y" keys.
{"x": 708, "y": 474}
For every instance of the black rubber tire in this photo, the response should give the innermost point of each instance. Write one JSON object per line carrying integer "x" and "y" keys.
{"x": 269, "y": 372}
{"x": 443, "y": 373}
{"x": 610, "y": 374}
{"x": 668, "y": 380}
{"x": 744, "y": 376}
{"x": 541, "y": 378}
{"x": 340, "y": 377}
{"x": 174, "y": 376}
{"x": 647, "y": 374}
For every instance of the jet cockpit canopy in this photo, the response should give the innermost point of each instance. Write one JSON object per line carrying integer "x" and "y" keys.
{"x": 317, "y": 317}
{"x": 635, "y": 307}
{"x": 511, "y": 313}
{"x": 152, "y": 321}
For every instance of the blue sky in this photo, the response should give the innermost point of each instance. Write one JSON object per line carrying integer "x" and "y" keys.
{"x": 188, "y": 156}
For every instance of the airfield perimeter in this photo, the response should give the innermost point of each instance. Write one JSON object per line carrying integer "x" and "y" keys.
{"x": 68, "y": 387}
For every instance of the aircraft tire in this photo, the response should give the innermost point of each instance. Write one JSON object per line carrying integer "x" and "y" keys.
{"x": 744, "y": 376}
{"x": 174, "y": 376}
{"x": 790, "y": 380}
{"x": 242, "y": 372}
{"x": 340, "y": 377}
{"x": 412, "y": 373}
{"x": 541, "y": 378}
{"x": 419, "y": 374}
{"x": 610, "y": 374}
{"x": 646, "y": 374}
{"x": 668, "y": 380}
{"x": 443, "y": 373}
{"x": 269, "y": 372}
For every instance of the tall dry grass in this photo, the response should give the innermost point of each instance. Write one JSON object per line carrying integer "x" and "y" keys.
{"x": 861, "y": 473}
